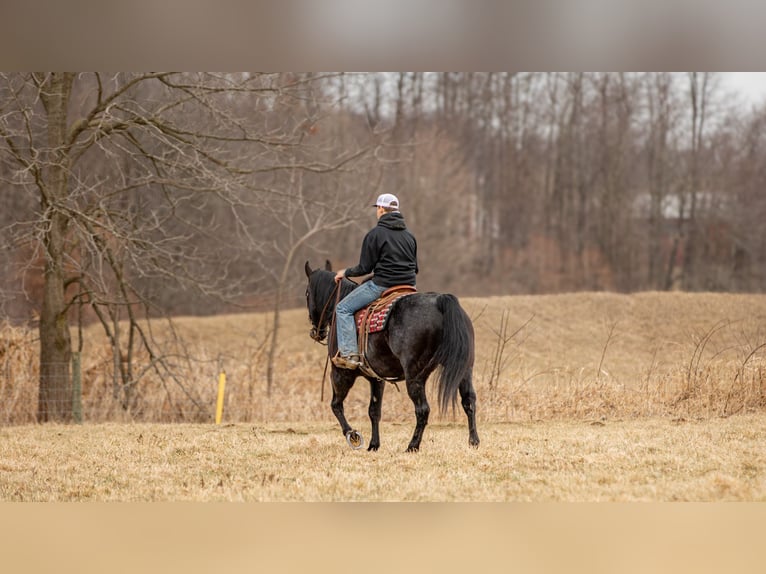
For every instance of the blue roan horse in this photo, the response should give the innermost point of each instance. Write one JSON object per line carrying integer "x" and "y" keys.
{"x": 424, "y": 331}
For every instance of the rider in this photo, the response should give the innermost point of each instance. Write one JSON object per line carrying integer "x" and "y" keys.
{"x": 390, "y": 252}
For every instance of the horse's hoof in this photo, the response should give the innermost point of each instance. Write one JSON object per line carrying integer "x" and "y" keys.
{"x": 354, "y": 439}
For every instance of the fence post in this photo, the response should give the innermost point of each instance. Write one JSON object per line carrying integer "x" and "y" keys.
{"x": 219, "y": 404}
{"x": 76, "y": 388}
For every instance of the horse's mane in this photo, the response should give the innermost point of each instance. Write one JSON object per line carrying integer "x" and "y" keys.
{"x": 346, "y": 287}
{"x": 326, "y": 284}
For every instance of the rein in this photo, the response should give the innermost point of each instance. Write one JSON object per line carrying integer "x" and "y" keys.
{"x": 335, "y": 290}
{"x": 331, "y": 328}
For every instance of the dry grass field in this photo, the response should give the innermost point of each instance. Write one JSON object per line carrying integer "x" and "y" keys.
{"x": 581, "y": 397}
{"x": 637, "y": 460}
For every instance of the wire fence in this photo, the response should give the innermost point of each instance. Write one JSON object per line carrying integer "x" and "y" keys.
{"x": 241, "y": 402}
{"x": 187, "y": 390}
{"x": 193, "y": 394}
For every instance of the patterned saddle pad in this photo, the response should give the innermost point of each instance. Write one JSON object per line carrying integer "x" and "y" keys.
{"x": 374, "y": 317}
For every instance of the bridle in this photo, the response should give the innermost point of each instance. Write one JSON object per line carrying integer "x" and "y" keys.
{"x": 315, "y": 332}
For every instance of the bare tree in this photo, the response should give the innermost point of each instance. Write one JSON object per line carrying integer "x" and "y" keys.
{"x": 700, "y": 90}
{"x": 322, "y": 203}
{"x": 133, "y": 172}
{"x": 661, "y": 116}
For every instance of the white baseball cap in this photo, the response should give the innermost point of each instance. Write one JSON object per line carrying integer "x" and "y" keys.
{"x": 387, "y": 200}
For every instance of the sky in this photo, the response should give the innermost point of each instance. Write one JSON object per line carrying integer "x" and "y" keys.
{"x": 751, "y": 85}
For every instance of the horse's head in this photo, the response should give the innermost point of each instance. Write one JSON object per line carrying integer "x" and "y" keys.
{"x": 318, "y": 301}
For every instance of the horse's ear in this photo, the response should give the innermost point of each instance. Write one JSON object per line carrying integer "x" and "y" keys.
{"x": 328, "y": 265}
{"x": 308, "y": 269}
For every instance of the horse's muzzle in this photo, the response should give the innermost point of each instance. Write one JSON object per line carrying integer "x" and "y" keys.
{"x": 319, "y": 335}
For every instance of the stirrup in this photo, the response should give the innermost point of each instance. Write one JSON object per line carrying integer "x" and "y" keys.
{"x": 351, "y": 362}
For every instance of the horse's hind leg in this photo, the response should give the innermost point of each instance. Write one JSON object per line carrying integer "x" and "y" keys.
{"x": 416, "y": 389}
{"x": 376, "y": 403}
{"x": 468, "y": 400}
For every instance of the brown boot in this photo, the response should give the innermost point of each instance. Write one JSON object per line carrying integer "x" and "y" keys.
{"x": 351, "y": 362}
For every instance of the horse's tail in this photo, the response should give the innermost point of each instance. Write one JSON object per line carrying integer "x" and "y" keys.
{"x": 455, "y": 354}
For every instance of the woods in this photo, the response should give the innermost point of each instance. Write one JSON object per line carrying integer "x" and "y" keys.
{"x": 135, "y": 195}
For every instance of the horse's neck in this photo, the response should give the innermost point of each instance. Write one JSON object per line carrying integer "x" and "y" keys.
{"x": 346, "y": 287}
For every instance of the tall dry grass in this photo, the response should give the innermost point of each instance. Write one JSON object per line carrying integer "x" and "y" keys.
{"x": 586, "y": 356}
{"x": 19, "y": 360}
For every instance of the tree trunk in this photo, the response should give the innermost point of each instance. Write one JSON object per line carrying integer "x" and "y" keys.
{"x": 55, "y": 396}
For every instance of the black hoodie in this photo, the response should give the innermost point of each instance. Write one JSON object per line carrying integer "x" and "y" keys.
{"x": 390, "y": 251}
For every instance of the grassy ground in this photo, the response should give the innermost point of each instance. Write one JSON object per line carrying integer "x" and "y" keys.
{"x": 635, "y": 460}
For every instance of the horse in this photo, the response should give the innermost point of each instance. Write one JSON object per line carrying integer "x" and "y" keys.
{"x": 424, "y": 332}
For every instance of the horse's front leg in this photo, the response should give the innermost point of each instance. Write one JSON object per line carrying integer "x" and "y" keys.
{"x": 342, "y": 381}
{"x": 416, "y": 389}
{"x": 376, "y": 404}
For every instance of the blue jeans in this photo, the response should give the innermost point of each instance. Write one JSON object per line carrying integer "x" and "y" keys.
{"x": 363, "y": 295}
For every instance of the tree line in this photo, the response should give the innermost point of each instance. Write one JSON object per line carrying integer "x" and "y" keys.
{"x": 135, "y": 195}
{"x": 589, "y": 181}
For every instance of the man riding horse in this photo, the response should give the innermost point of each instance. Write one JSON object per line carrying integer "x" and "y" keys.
{"x": 423, "y": 333}
{"x": 389, "y": 252}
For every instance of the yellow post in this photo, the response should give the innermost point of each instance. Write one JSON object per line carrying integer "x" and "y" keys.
{"x": 219, "y": 405}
